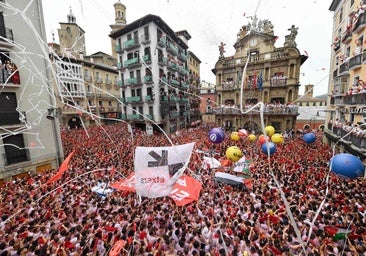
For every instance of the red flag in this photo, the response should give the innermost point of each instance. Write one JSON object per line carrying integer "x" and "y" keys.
{"x": 254, "y": 80}
{"x": 127, "y": 184}
{"x": 186, "y": 190}
{"x": 63, "y": 168}
{"x": 113, "y": 170}
{"x": 117, "y": 247}
{"x": 248, "y": 183}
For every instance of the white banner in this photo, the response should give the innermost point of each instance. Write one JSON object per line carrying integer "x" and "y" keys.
{"x": 158, "y": 168}
{"x": 210, "y": 163}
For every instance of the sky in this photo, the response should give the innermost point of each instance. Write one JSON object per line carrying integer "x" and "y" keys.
{"x": 210, "y": 23}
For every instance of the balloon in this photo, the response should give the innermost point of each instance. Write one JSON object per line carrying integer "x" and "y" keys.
{"x": 268, "y": 146}
{"x": 270, "y": 130}
{"x": 243, "y": 133}
{"x": 216, "y": 135}
{"x": 347, "y": 165}
{"x": 263, "y": 138}
{"x": 277, "y": 138}
{"x": 252, "y": 137}
{"x": 309, "y": 137}
{"x": 235, "y": 136}
{"x": 233, "y": 153}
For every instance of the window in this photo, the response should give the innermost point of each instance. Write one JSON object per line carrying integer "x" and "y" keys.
{"x": 339, "y": 32}
{"x": 340, "y": 15}
{"x": 14, "y": 149}
{"x": 146, "y": 33}
{"x": 356, "y": 79}
{"x": 149, "y": 91}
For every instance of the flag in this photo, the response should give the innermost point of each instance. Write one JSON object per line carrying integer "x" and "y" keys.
{"x": 337, "y": 233}
{"x": 254, "y": 80}
{"x": 113, "y": 171}
{"x": 243, "y": 166}
{"x": 260, "y": 82}
{"x": 127, "y": 184}
{"x": 210, "y": 163}
{"x": 229, "y": 179}
{"x": 117, "y": 247}
{"x": 63, "y": 168}
{"x": 158, "y": 168}
{"x": 186, "y": 190}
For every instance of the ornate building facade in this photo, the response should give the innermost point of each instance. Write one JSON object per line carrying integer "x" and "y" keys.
{"x": 271, "y": 76}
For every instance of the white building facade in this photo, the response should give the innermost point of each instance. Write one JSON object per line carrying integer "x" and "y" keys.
{"x": 152, "y": 63}
{"x": 29, "y": 141}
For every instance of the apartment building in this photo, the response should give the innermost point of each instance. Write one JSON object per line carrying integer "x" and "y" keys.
{"x": 346, "y": 113}
{"x": 153, "y": 74}
{"x": 30, "y": 141}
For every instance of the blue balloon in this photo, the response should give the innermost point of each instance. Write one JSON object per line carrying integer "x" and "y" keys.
{"x": 269, "y": 146}
{"x": 309, "y": 137}
{"x": 347, "y": 165}
{"x": 216, "y": 135}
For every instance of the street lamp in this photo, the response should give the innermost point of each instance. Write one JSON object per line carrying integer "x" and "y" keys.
{"x": 53, "y": 114}
{"x": 312, "y": 121}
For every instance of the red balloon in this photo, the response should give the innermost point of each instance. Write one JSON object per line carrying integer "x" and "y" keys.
{"x": 262, "y": 139}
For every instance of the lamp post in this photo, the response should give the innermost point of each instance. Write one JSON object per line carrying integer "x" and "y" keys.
{"x": 53, "y": 115}
{"x": 312, "y": 121}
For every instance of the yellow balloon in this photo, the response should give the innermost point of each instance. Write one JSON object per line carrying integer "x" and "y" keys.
{"x": 235, "y": 136}
{"x": 277, "y": 138}
{"x": 252, "y": 137}
{"x": 233, "y": 153}
{"x": 270, "y": 130}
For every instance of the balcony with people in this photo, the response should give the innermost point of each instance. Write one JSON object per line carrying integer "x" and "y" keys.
{"x": 273, "y": 108}
{"x": 9, "y": 73}
{"x": 171, "y": 48}
{"x": 356, "y": 95}
{"x": 228, "y": 85}
{"x": 278, "y": 80}
{"x": 359, "y": 18}
{"x": 350, "y": 133}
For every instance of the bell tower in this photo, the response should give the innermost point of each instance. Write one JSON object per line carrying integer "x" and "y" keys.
{"x": 71, "y": 37}
{"x": 120, "y": 22}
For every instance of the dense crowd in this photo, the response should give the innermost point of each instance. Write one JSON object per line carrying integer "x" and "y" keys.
{"x": 67, "y": 218}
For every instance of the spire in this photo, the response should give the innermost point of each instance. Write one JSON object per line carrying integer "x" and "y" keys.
{"x": 71, "y": 17}
{"x": 120, "y": 13}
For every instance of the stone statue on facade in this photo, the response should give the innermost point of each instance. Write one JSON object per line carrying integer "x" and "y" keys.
{"x": 221, "y": 49}
{"x": 290, "y": 39}
{"x": 267, "y": 27}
